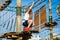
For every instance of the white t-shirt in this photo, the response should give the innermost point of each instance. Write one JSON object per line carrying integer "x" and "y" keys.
{"x": 26, "y": 16}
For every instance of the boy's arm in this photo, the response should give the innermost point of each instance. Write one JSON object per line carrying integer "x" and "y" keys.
{"x": 31, "y": 5}
{"x": 30, "y": 8}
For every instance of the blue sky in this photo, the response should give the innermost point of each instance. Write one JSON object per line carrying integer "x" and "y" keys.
{"x": 24, "y": 2}
{"x": 54, "y": 5}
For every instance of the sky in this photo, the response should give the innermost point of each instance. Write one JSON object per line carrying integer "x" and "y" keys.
{"x": 24, "y": 2}
{"x": 54, "y": 5}
{"x": 54, "y": 13}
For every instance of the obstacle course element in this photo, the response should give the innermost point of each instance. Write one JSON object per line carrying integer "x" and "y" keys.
{"x": 58, "y": 9}
{"x": 10, "y": 35}
{"x": 40, "y": 17}
{"x": 2, "y": 7}
{"x": 48, "y": 24}
{"x": 15, "y": 35}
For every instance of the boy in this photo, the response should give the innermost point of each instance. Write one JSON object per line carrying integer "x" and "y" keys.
{"x": 28, "y": 19}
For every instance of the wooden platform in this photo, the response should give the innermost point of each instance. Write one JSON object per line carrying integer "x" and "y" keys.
{"x": 11, "y": 35}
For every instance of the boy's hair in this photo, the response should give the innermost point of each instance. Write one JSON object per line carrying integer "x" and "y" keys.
{"x": 30, "y": 11}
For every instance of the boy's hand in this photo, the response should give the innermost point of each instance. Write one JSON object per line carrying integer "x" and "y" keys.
{"x": 32, "y": 5}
